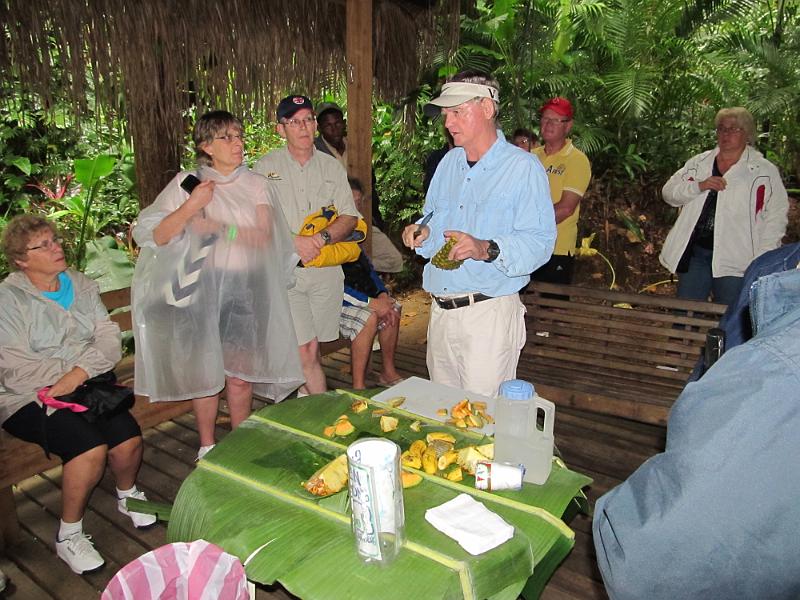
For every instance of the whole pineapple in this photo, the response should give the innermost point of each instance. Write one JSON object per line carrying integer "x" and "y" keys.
{"x": 440, "y": 259}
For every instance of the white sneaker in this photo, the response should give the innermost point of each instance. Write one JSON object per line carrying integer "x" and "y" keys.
{"x": 140, "y": 520}
{"x": 203, "y": 451}
{"x": 3, "y": 581}
{"x": 79, "y": 553}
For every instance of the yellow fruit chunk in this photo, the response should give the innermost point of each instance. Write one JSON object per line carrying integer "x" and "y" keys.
{"x": 455, "y": 474}
{"x": 469, "y": 457}
{"x": 447, "y": 459}
{"x": 442, "y": 412}
{"x": 343, "y": 426}
{"x": 416, "y": 426}
{"x": 417, "y": 448}
{"x": 388, "y": 423}
{"x": 380, "y": 411}
{"x": 429, "y": 461}
{"x": 479, "y": 406}
{"x": 440, "y": 435}
{"x": 359, "y": 406}
{"x": 487, "y": 450}
{"x": 329, "y": 479}
{"x": 473, "y": 421}
{"x": 395, "y": 402}
{"x": 410, "y": 479}
{"x": 329, "y": 431}
{"x": 411, "y": 460}
{"x": 460, "y": 410}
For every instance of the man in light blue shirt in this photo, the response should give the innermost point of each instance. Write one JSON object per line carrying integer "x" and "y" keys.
{"x": 494, "y": 200}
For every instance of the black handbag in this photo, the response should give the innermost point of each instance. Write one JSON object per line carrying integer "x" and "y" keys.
{"x": 102, "y": 396}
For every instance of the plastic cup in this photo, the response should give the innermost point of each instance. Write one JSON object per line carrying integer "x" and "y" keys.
{"x": 376, "y": 499}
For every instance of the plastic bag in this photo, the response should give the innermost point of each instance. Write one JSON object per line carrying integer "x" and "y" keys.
{"x": 181, "y": 571}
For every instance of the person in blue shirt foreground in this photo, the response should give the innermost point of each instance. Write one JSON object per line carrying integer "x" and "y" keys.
{"x": 494, "y": 200}
{"x": 715, "y": 515}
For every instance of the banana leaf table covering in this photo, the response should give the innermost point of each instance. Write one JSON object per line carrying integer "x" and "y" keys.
{"x": 247, "y": 497}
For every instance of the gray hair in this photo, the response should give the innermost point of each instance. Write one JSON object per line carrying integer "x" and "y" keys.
{"x": 481, "y": 78}
{"x": 207, "y": 128}
{"x": 743, "y": 119}
{"x": 18, "y": 233}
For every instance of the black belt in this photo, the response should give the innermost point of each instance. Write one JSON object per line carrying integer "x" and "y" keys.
{"x": 461, "y": 301}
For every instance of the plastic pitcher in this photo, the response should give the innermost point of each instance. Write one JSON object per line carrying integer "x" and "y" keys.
{"x": 517, "y": 435}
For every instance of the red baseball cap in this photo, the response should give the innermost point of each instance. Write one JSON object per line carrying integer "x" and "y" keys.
{"x": 560, "y": 105}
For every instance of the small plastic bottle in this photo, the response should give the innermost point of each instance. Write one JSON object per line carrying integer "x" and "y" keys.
{"x": 517, "y": 436}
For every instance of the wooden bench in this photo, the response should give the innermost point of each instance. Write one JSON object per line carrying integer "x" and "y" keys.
{"x": 20, "y": 460}
{"x": 627, "y": 355}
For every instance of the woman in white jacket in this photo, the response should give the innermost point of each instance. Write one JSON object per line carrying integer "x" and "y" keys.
{"x": 733, "y": 208}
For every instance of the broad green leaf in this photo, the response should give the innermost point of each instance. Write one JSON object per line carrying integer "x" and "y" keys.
{"x": 89, "y": 171}
{"x": 248, "y": 498}
{"x": 23, "y": 163}
{"x": 108, "y": 265}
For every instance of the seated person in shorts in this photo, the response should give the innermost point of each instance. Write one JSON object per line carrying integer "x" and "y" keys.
{"x": 55, "y": 332}
{"x": 368, "y": 310}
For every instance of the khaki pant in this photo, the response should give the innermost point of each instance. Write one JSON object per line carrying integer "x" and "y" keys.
{"x": 476, "y": 347}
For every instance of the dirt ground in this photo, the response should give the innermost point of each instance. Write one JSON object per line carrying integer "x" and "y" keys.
{"x": 414, "y": 320}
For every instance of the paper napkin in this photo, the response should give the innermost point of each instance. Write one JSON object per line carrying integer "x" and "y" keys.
{"x": 470, "y": 523}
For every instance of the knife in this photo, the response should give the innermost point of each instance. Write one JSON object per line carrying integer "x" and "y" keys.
{"x": 423, "y": 223}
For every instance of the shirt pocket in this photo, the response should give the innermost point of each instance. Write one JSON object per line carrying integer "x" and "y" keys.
{"x": 495, "y": 216}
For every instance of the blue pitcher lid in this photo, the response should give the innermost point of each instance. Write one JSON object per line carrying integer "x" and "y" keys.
{"x": 516, "y": 389}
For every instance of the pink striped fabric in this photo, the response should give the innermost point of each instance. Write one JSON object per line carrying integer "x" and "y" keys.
{"x": 181, "y": 571}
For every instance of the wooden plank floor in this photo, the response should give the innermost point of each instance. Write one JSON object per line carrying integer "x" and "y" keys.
{"x": 607, "y": 449}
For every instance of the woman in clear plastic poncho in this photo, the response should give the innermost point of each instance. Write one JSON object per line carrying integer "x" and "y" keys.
{"x": 210, "y": 304}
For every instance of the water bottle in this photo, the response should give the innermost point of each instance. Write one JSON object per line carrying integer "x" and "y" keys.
{"x": 518, "y": 438}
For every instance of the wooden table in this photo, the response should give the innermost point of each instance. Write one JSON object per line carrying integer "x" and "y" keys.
{"x": 247, "y": 497}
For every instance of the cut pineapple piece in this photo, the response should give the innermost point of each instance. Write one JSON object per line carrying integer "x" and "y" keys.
{"x": 329, "y": 479}
{"x": 359, "y": 406}
{"x": 395, "y": 402}
{"x": 441, "y": 412}
{"x": 389, "y": 423}
{"x": 416, "y": 426}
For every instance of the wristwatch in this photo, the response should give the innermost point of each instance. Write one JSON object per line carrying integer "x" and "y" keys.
{"x": 326, "y": 237}
{"x": 493, "y": 250}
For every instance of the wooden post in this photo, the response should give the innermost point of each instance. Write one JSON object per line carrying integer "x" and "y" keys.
{"x": 359, "y": 101}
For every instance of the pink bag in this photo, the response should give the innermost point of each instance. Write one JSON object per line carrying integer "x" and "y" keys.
{"x": 181, "y": 571}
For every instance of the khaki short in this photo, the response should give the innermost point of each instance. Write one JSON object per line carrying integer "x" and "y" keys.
{"x": 316, "y": 303}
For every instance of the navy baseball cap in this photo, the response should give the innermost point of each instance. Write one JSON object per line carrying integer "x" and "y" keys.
{"x": 291, "y": 104}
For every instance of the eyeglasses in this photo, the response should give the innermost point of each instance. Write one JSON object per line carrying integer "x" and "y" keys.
{"x": 548, "y": 120}
{"x": 307, "y": 122}
{"x": 724, "y": 130}
{"x": 47, "y": 244}
{"x": 230, "y": 137}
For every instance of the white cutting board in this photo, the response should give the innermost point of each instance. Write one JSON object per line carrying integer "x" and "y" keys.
{"x": 424, "y": 398}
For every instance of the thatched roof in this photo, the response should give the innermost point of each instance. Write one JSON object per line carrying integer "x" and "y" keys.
{"x": 152, "y": 59}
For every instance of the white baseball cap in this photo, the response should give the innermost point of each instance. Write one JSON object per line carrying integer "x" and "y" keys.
{"x": 458, "y": 92}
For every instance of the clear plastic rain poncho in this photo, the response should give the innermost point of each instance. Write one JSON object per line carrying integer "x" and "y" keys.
{"x": 213, "y": 301}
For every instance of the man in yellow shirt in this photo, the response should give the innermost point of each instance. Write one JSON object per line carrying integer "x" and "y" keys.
{"x": 569, "y": 172}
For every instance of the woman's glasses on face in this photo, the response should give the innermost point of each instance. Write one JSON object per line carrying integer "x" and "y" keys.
{"x": 307, "y": 122}
{"x": 725, "y": 130}
{"x": 47, "y": 244}
{"x": 230, "y": 137}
